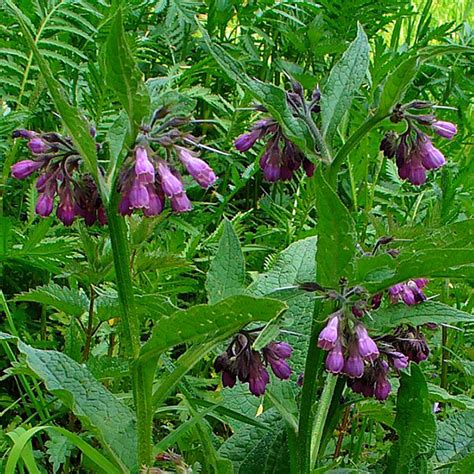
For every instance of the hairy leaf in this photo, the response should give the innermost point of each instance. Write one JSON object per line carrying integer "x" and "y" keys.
{"x": 455, "y": 437}
{"x": 226, "y": 276}
{"x": 343, "y": 83}
{"x": 415, "y": 425}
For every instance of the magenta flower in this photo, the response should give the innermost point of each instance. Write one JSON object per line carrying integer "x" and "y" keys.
{"x": 197, "y": 168}
{"x": 170, "y": 184}
{"x": 431, "y": 157}
{"x": 138, "y": 195}
{"x": 335, "y": 358}
{"x": 23, "y": 169}
{"x": 367, "y": 347}
{"x": 275, "y": 354}
{"x": 444, "y": 129}
{"x": 44, "y": 204}
{"x": 354, "y": 364}
{"x": 65, "y": 210}
{"x": 181, "y": 203}
{"x": 37, "y": 146}
{"x": 144, "y": 170}
{"x": 329, "y": 335}
{"x": 155, "y": 201}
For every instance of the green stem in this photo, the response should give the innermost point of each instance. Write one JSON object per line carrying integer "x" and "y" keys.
{"x": 351, "y": 143}
{"x": 321, "y": 415}
{"x": 131, "y": 332}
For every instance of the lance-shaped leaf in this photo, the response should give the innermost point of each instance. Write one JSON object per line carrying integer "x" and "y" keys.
{"x": 272, "y": 97}
{"x": 336, "y": 236}
{"x": 427, "y": 312}
{"x": 100, "y": 411}
{"x": 226, "y": 275}
{"x": 344, "y": 81}
{"x": 122, "y": 74}
{"x": 415, "y": 425}
{"x": 211, "y": 321}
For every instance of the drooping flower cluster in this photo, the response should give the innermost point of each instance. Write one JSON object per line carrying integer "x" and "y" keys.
{"x": 410, "y": 292}
{"x": 149, "y": 176}
{"x": 59, "y": 165}
{"x": 413, "y": 150}
{"x": 241, "y": 361}
{"x": 281, "y": 158}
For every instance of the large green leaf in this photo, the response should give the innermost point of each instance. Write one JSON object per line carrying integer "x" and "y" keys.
{"x": 396, "y": 85}
{"x": 226, "y": 275}
{"x": 455, "y": 437}
{"x": 337, "y": 236}
{"x": 427, "y": 312}
{"x": 77, "y": 128}
{"x": 415, "y": 425}
{"x": 259, "y": 450}
{"x": 89, "y": 400}
{"x": 443, "y": 252}
{"x": 69, "y": 300}
{"x": 272, "y": 97}
{"x": 122, "y": 74}
{"x": 296, "y": 264}
{"x": 212, "y": 321}
{"x": 343, "y": 83}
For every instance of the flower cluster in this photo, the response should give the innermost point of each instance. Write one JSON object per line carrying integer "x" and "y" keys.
{"x": 281, "y": 158}
{"x": 241, "y": 361}
{"x": 149, "y": 176}
{"x": 59, "y": 165}
{"x": 410, "y": 292}
{"x": 413, "y": 150}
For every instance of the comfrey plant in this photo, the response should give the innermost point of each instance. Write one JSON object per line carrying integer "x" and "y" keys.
{"x": 61, "y": 175}
{"x": 241, "y": 361}
{"x": 281, "y": 158}
{"x": 151, "y": 173}
{"x": 413, "y": 150}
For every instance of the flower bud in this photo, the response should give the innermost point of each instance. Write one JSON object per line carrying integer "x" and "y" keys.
{"x": 24, "y": 168}
{"x": 445, "y": 129}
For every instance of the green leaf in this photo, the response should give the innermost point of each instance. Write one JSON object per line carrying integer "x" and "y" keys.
{"x": 69, "y": 300}
{"x": 122, "y": 74}
{"x": 59, "y": 450}
{"x": 343, "y": 83}
{"x": 455, "y": 437}
{"x": 440, "y": 252}
{"x": 259, "y": 450}
{"x": 77, "y": 128}
{"x": 337, "y": 237}
{"x": 427, "y": 312}
{"x": 396, "y": 85}
{"x": 415, "y": 425}
{"x": 226, "y": 275}
{"x": 212, "y": 321}
{"x": 90, "y": 401}
{"x": 438, "y": 394}
{"x": 296, "y": 264}
{"x": 272, "y": 97}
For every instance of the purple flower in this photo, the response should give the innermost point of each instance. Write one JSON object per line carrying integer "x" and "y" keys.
{"x": 367, "y": 347}
{"x": 22, "y": 133}
{"x": 138, "y": 195}
{"x": 410, "y": 292}
{"x": 444, "y": 129}
{"x": 181, "y": 203}
{"x": 275, "y": 354}
{"x": 382, "y": 387}
{"x": 144, "y": 170}
{"x": 335, "y": 358}
{"x": 23, "y": 169}
{"x": 228, "y": 379}
{"x": 155, "y": 201}
{"x": 197, "y": 168}
{"x": 37, "y": 145}
{"x": 247, "y": 140}
{"x": 399, "y": 360}
{"x": 354, "y": 364}
{"x": 65, "y": 210}
{"x": 329, "y": 335}
{"x": 44, "y": 204}
{"x": 258, "y": 380}
{"x": 124, "y": 205}
{"x": 431, "y": 157}
{"x": 170, "y": 184}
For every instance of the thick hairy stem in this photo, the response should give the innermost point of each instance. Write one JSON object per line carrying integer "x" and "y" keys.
{"x": 131, "y": 331}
